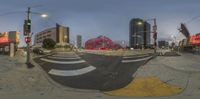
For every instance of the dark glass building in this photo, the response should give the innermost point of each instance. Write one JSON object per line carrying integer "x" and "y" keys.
{"x": 79, "y": 41}
{"x": 139, "y": 33}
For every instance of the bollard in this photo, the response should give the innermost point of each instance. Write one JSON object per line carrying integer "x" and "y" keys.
{"x": 12, "y": 49}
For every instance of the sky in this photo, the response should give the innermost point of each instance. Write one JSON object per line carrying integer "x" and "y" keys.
{"x": 91, "y": 18}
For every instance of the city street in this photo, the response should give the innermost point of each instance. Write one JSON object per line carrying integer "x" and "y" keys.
{"x": 90, "y": 71}
{"x": 99, "y": 49}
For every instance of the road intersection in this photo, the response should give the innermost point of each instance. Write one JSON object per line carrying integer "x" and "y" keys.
{"x": 91, "y": 71}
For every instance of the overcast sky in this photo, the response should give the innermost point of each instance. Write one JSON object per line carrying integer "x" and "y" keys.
{"x": 92, "y": 18}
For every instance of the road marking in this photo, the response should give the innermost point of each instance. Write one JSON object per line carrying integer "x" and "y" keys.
{"x": 65, "y": 52}
{"x": 136, "y": 60}
{"x": 63, "y": 57}
{"x": 72, "y": 72}
{"x": 126, "y": 57}
{"x": 62, "y": 62}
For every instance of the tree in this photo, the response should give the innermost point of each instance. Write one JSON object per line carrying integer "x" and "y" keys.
{"x": 48, "y": 43}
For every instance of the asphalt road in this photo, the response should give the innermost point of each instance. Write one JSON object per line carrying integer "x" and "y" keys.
{"x": 90, "y": 71}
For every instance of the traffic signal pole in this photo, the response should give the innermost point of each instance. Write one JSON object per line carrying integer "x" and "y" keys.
{"x": 155, "y": 34}
{"x": 28, "y": 34}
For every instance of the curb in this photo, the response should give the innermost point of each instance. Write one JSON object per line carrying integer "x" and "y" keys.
{"x": 153, "y": 56}
{"x": 65, "y": 88}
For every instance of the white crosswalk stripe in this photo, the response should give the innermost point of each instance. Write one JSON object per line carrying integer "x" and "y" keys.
{"x": 65, "y": 55}
{"x": 75, "y": 59}
{"x": 127, "y": 57}
{"x": 53, "y": 57}
{"x": 72, "y": 72}
{"x": 136, "y": 60}
{"x": 62, "y": 62}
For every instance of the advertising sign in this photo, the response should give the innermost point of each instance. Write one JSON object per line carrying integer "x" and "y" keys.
{"x": 195, "y": 39}
{"x": 6, "y": 37}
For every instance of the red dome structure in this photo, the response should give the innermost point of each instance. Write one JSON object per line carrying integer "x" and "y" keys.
{"x": 101, "y": 43}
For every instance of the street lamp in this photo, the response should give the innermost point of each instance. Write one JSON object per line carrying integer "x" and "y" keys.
{"x": 44, "y": 15}
{"x": 27, "y": 31}
{"x": 139, "y": 23}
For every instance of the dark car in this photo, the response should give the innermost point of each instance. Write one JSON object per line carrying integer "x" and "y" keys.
{"x": 38, "y": 51}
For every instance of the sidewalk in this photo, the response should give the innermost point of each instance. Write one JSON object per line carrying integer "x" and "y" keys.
{"x": 177, "y": 72}
{"x": 19, "y": 82}
{"x": 186, "y": 62}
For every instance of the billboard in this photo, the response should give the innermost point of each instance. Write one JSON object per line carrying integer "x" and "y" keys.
{"x": 6, "y": 37}
{"x": 195, "y": 39}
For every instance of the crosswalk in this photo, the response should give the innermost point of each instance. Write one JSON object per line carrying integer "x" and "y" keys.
{"x": 71, "y": 64}
{"x": 136, "y": 58}
{"x": 67, "y": 59}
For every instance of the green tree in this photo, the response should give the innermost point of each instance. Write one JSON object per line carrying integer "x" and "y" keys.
{"x": 48, "y": 43}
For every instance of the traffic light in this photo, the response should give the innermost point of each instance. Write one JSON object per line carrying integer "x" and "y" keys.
{"x": 27, "y": 27}
{"x": 27, "y": 39}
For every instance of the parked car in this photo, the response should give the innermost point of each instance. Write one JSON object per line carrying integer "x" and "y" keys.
{"x": 38, "y": 51}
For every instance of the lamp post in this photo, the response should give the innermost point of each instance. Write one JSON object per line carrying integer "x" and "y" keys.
{"x": 154, "y": 32}
{"x": 27, "y": 31}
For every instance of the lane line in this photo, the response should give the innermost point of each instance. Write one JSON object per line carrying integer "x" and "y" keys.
{"x": 72, "y": 72}
{"x": 136, "y": 60}
{"x": 127, "y": 57}
{"x": 63, "y": 57}
{"x": 62, "y": 62}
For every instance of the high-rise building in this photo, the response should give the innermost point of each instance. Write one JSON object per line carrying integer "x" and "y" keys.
{"x": 139, "y": 33}
{"x": 60, "y": 34}
{"x": 79, "y": 41}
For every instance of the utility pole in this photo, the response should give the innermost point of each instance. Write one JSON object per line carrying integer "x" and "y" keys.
{"x": 28, "y": 43}
{"x": 27, "y": 31}
{"x": 155, "y": 34}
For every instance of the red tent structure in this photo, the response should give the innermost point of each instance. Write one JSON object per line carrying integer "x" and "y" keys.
{"x": 101, "y": 43}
